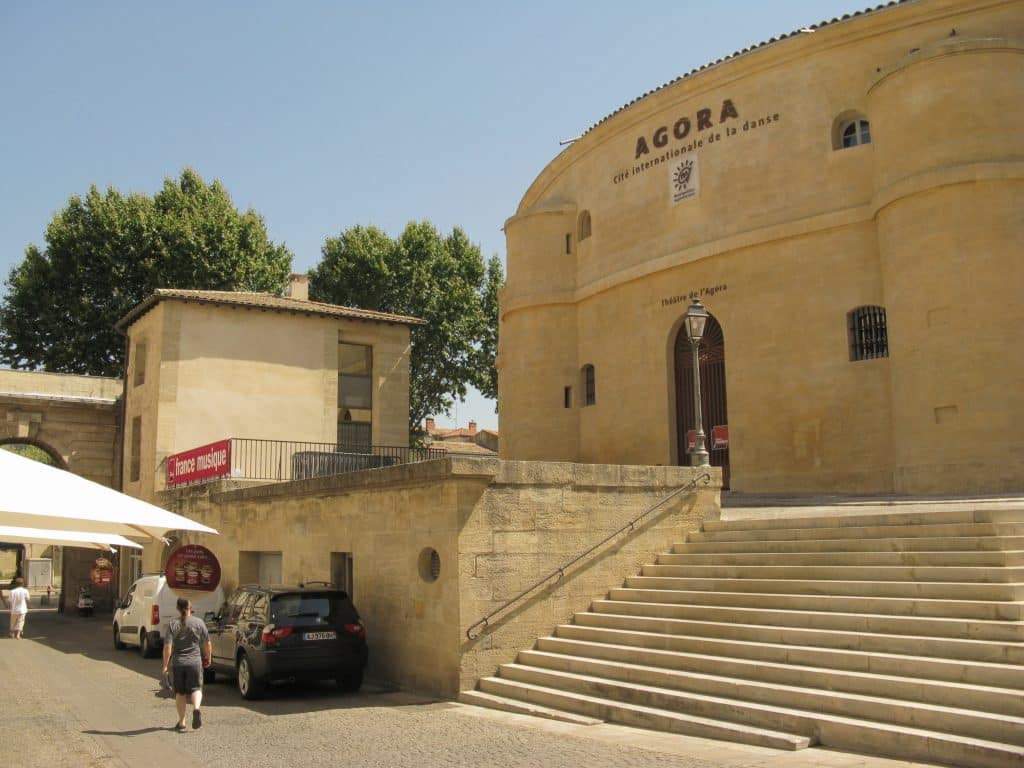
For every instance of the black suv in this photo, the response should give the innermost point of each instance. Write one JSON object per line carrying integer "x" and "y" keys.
{"x": 267, "y": 634}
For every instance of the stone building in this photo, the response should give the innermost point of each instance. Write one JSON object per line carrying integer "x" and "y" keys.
{"x": 281, "y": 382}
{"x": 846, "y": 202}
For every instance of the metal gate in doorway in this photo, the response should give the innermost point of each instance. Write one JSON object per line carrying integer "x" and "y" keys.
{"x": 713, "y": 406}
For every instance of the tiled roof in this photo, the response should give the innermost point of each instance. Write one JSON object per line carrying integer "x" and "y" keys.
{"x": 762, "y": 44}
{"x": 445, "y": 434}
{"x": 262, "y": 301}
{"x": 458, "y": 447}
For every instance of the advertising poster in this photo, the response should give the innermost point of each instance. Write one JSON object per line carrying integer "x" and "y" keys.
{"x": 193, "y": 567}
{"x": 102, "y": 572}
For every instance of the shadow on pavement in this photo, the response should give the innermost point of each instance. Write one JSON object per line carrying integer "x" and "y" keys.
{"x": 92, "y": 637}
{"x": 136, "y": 732}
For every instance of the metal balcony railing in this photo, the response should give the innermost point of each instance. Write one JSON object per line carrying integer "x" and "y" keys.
{"x": 282, "y": 461}
{"x": 243, "y": 458}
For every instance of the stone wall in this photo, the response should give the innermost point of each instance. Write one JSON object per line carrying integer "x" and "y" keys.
{"x": 496, "y": 528}
{"x": 75, "y": 419}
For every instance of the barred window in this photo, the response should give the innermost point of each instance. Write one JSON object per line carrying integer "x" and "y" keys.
{"x": 867, "y": 333}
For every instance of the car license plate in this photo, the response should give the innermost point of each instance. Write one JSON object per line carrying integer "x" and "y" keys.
{"x": 332, "y": 635}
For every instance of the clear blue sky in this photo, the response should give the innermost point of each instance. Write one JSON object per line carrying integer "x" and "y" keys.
{"x": 323, "y": 115}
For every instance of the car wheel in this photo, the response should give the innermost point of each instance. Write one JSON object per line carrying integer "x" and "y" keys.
{"x": 145, "y": 646}
{"x": 118, "y": 644}
{"x": 250, "y": 686}
{"x": 350, "y": 681}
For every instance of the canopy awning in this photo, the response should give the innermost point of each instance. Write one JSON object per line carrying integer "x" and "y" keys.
{"x": 37, "y": 495}
{"x": 105, "y": 541}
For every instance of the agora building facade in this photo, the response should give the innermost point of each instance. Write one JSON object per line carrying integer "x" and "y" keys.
{"x": 846, "y": 202}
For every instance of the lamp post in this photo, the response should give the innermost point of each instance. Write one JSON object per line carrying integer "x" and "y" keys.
{"x": 696, "y": 318}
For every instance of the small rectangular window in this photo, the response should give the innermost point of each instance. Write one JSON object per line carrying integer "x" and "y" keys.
{"x": 568, "y": 397}
{"x": 140, "y": 363}
{"x": 355, "y": 396}
{"x": 568, "y": 243}
{"x": 342, "y": 570}
{"x": 136, "y": 450}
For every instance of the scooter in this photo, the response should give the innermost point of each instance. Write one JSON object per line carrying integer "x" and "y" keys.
{"x": 85, "y": 602}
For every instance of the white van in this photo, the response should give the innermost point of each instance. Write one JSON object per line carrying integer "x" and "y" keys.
{"x": 141, "y": 618}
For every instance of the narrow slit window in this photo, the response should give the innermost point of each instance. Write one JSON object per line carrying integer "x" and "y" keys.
{"x": 589, "y": 385}
{"x": 584, "y": 227}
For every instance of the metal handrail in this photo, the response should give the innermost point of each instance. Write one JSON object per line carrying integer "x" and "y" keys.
{"x": 560, "y": 572}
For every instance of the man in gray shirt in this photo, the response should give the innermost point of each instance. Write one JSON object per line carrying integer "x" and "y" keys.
{"x": 187, "y": 649}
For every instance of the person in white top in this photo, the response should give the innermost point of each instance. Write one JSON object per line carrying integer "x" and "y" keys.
{"x": 18, "y": 606}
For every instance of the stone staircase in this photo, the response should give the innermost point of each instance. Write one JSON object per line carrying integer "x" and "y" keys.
{"x": 895, "y": 634}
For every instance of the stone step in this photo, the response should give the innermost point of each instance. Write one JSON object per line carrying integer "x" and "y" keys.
{"x": 830, "y": 730}
{"x": 906, "y": 544}
{"x": 982, "y": 673}
{"x": 1007, "y": 701}
{"x": 643, "y": 717}
{"x": 489, "y": 700}
{"x": 909, "y": 589}
{"x": 963, "y": 574}
{"x": 753, "y": 695}
{"x": 870, "y": 520}
{"x": 943, "y": 559}
{"x": 877, "y": 532}
{"x": 911, "y": 645}
{"x": 975, "y": 629}
{"x": 553, "y": 670}
{"x": 986, "y": 610}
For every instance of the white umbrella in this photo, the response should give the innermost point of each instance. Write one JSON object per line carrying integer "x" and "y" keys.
{"x": 37, "y": 495}
{"x": 106, "y": 541}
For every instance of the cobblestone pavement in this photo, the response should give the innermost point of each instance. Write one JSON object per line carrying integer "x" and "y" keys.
{"x": 72, "y": 701}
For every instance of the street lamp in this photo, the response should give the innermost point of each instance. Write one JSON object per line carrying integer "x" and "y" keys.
{"x": 696, "y": 318}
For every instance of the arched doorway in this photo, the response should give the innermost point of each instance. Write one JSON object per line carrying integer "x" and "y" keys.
{"x": 33, "y": 449}
{"x": 713, "y": 406}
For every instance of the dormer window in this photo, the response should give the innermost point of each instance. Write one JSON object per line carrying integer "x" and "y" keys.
{"x": 856, "y": 132}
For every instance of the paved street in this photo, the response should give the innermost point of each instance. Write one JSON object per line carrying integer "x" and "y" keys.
{"x": 71, "y": 701}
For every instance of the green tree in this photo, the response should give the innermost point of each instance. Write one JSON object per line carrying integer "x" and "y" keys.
{"x": 439, "y": 279}
{"x": 108, "y": 251}
{"x": 486, "y": 379}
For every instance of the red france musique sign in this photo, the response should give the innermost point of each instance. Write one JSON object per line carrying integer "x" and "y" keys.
{"x": 203, "y": 463}
{"x": 193, "y": 567}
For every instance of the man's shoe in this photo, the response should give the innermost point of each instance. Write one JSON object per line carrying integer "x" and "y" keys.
{"x": 179, "y": 727}
{"x": 197, "y": 719}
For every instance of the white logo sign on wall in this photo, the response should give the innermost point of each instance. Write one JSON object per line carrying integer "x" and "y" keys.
{"x": 684, "y": 179}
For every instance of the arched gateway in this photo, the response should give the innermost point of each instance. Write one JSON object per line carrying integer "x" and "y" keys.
{"x": 713, "y": 407}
